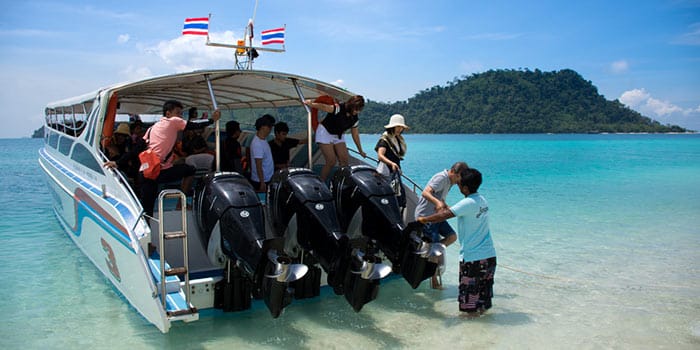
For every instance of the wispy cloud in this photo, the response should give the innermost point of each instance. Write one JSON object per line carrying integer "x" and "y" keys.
{"x": 494, "y": 36}
{"x": 135, "y": 73}
{"x": 471, "y": 67}
{"x": 376, "y": 34}
{"x": 619, "y": 67}
{"x": 31, "y": 33}
{"x": 691, "y": 37}
{"x": 123, "y": 38}
{"x": 88, "y": 11}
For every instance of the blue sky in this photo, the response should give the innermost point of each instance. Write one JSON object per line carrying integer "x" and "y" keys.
{"x": 644, "y": 53}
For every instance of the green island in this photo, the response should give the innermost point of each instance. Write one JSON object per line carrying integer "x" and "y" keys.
{"x": 513, "y": 101}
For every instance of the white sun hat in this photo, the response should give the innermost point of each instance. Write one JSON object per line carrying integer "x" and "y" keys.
{"x": 396, "y": 120}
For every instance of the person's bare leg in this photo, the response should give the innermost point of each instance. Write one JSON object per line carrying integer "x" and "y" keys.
{"x": 342, "y": 151}
{"x": 329, "y": 156}
{"x": 186, "y": 187}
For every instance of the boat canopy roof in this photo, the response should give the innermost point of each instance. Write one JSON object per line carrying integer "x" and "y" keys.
{"x": 233, "y": 89}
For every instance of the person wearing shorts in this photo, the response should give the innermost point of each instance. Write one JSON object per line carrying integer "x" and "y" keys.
{"x": 329, "y": 134}
{"x": 477, "y": 254}
{"x": 431, "y": 201}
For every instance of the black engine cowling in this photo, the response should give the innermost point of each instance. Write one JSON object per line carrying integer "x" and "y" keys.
{"x": 302, "y": 207}
{"x": 367, "y": 207}
{"x": 231, "y": 224}
{"x": 228, "y": 200}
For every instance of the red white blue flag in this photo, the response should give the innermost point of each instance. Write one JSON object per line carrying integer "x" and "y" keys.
{"x": 273, "y": 36}
{"x": 196, "y": 26}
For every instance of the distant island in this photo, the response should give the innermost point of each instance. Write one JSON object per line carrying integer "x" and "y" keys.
{"x": 502, "y": 102}
{"x": 513, "y": 101}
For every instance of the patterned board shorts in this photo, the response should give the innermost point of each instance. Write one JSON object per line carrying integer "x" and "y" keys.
{"x": 476, "y": 284}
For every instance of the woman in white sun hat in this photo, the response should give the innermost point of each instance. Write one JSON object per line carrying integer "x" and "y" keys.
{"x": 391, "y": 148}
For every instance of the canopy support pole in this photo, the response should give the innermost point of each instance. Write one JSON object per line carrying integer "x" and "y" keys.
{"x": 218, "y": 129}
{"x": 308, "y": 122}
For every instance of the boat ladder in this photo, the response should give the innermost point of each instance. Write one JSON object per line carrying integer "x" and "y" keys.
{"x": 183, "y": 312}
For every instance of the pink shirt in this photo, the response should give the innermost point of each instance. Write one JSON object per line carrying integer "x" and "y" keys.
{"x": 163, "y": 136}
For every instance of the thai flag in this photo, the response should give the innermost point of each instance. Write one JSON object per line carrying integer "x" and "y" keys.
{"x": 196, "y": 26}
{"x": 273, "y": 36}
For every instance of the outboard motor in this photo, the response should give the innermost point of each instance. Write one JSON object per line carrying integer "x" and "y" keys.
{"x": 231, "y": 223}
{"x": 368, "y": 209}
{"x": 304, "y": 216}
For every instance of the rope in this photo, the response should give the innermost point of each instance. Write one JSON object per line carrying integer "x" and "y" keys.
{"x": 535, "y": 274}
{"x": 621, "y": 285}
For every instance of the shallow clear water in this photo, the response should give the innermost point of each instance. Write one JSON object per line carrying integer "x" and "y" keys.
{"x": 597, "y": 236}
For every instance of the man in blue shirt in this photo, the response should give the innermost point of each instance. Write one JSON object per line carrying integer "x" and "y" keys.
{"x": 477, "y": 254}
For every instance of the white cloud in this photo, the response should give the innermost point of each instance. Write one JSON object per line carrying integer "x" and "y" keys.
{"x": 641, "y": 100}
{"x": 123, "y": 38}
{"x": 664, "y": 112}
{"x": 619, "y": 67}
{"x": 189, "y": 52}
{"x": 136, "y": 73}
{"x": 338, "y": 82}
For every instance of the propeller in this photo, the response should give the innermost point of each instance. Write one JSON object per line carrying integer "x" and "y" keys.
{"x": 370, "y": 267}
{"x": 430, "y": 250}
{"x": 285, "y": 271}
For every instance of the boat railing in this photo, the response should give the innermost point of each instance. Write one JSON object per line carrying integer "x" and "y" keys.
{"x": 125, "y": 182}
{"x": 413, "y": 185}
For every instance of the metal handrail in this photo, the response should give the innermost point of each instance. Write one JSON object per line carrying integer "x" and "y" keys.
{"x": 414, "y": 185}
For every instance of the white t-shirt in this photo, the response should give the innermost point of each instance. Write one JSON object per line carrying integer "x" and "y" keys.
{"x": 260, "y": 149}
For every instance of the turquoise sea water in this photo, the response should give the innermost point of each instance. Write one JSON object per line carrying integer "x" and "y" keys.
{"x": 598, "y": 242}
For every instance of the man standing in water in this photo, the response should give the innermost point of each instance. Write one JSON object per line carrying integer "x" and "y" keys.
{"x": 477, "y": 254}
{"x": 432, "y": 201}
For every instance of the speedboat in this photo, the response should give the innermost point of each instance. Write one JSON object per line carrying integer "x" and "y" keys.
{"x": 233, "y": 247}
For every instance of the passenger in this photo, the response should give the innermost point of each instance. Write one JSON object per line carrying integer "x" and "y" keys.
{"x": 231, "y": 153}
{"x": 161, "y": 138}
{"x": 329, "y": 134}
{"x": 477, "y": 255}
{"x": 281, "y": 145}
{"x": 391, "y": 148}
{"x": 118, "y": 149}
{"x": 261, "y": 156}
{"x": 137, "y": 131}
{"x": 431, "y": 201}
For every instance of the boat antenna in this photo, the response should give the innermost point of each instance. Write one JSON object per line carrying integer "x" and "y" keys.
{"x": 245, "y": 52}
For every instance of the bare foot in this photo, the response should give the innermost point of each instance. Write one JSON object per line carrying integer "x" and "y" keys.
{"x": 436, "y": 282}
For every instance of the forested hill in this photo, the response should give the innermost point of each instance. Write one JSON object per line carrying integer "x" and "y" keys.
{"x": 512, "y": 101}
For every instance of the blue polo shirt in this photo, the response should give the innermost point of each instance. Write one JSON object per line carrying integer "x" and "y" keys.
{"x": 473, "y": 230}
